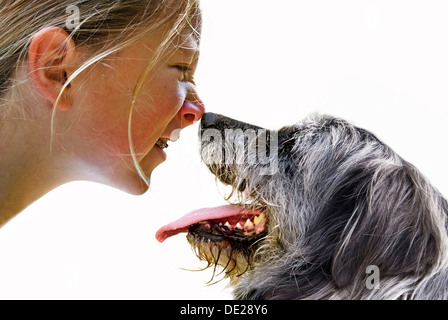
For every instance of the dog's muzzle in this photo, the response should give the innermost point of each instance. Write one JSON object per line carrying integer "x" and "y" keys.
{"x": 212, "y": 120}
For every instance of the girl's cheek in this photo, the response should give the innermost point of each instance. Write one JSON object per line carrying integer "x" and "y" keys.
{"x": 152, "y": 117}
{"x": 165, "y": 101}
{"x": 156, "y": 106}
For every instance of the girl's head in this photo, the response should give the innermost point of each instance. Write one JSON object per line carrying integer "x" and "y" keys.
{"x": 107, "y": 79}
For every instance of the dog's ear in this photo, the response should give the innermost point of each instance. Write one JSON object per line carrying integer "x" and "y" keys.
{"x": 396, "y": 224}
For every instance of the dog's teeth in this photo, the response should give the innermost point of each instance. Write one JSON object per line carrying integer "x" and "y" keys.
{"x": 258, "y": 219}
{"x": 238, "y": 226}
{"x": 248, "y": 224}
{"x": 227, "y": 224}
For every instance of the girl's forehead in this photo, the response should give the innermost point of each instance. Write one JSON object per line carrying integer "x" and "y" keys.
{"x": 186, "y": 43}
{"x": 189, "y": 37}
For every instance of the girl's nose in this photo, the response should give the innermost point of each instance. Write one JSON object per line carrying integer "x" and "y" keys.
{"x": 191, "y": 111}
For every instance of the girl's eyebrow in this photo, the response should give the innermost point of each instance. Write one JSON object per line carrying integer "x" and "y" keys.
{"x": 187, "y": 44}
{"x": 191, "y": 53}
{"x": 186, "y": 48}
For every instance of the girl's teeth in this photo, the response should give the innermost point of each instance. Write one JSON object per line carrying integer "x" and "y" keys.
{"x": 162, "y": 143}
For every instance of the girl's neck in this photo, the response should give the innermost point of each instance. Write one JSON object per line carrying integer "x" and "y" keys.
{"x": 28, "y": 169}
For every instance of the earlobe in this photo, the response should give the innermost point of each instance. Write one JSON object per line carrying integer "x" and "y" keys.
{"x": 50, "y": 56}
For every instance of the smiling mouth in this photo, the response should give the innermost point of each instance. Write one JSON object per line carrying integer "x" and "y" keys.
{"x": 162, "y": 143}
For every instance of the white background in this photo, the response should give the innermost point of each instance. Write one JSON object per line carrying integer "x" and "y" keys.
{"x": 380, "y": 64}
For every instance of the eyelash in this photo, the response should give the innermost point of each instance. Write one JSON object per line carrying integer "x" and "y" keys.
{"x": 186, "y": 72}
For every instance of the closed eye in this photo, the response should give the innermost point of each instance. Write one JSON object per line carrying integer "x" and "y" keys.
{"x": 183, "y": 68}
{"x": 186, "y": 71}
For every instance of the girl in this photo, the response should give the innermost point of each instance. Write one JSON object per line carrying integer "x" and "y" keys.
{"x": 92, "y": 90}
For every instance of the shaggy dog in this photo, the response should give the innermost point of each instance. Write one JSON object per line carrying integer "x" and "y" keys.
{"x": 324, "y": 210}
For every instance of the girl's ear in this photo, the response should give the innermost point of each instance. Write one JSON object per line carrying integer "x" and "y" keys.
{"x": 51, "y": 55}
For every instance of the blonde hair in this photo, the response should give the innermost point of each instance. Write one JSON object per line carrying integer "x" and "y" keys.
{"x": 107, "y": 26}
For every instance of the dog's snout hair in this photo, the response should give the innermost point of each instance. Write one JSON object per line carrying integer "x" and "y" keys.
{"x": 339, "y": 202}
{"x": 237, "y": 143}
{"x": 217, "y": 121}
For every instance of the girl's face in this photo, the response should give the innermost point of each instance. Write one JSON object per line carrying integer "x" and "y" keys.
{"x": 166, "y": 103}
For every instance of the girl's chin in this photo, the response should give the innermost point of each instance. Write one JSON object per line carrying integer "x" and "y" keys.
{"x": 131, "y": 183}
{"x": 137, "y": 190}
{"x": 154, "y": 158}
{"x": 126, "y": 177}
{"x": 159, "y": 151}
{"x": 137, "y": 185}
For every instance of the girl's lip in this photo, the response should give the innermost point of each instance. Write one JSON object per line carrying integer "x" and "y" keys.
{"x": 160, "y": 151}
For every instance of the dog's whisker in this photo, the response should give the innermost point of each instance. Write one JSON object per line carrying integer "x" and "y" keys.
{"x": 213, "y": 283}
{"x": 195, "y": 270}
{"x": 215, "y": 265}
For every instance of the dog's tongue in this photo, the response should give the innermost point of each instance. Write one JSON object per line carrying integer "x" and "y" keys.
{"x": 182, "y": 224}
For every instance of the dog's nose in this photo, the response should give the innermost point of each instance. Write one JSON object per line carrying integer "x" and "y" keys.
{"x": 209, "y": 119}
{"x": 217, "y": 121}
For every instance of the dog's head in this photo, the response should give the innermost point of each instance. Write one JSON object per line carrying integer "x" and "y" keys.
{"x": 316, "y": 204}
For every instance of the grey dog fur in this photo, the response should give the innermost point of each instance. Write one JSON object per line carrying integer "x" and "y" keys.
{"x": 340, "y": 201}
